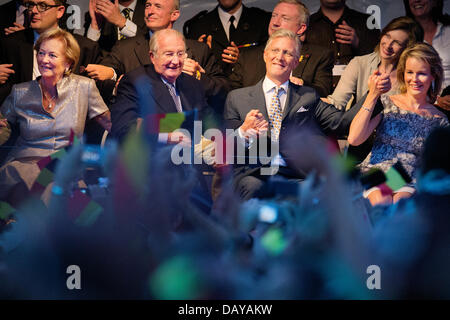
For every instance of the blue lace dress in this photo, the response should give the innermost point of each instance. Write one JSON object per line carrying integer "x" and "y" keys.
{"x": 400, "y": 136}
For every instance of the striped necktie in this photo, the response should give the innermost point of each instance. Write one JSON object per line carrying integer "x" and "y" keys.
{"x": 176, "y": 99}
{"x": 275, "y": 114}
{"x": 126, "y": 13}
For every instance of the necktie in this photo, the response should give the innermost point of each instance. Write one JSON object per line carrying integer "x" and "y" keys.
{"x": 175, "y": 98}
{"x": 232, "y": 30}
{"x": 275, "y": 114}
{"x": 126, "y": 13}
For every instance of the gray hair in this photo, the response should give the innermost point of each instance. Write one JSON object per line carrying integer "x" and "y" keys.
{"x": 154, "y": 40}
{"x": 302, "y": 10}
{"x": 284, "y": 33}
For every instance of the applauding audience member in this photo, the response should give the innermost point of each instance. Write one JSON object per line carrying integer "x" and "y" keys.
{"x": 107, "y": 21}
{"x": 399, "y": 34}
{"x": 228, "y": 26}
{"x": 315, "y": 63}
{"x": 342, "y": 29}
{"x": 48, "y": 110}
{"x": 406, "y": 120}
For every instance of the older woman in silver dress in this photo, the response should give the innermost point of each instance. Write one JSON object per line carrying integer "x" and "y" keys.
{"x": 406, "y": 120}
{"x": 47, "y": 110}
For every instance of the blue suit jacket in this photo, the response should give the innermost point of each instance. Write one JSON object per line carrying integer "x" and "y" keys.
{"x": 303, "y": 111}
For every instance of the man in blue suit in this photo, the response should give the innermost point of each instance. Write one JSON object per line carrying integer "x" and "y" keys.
{"x": 271, "y": 109}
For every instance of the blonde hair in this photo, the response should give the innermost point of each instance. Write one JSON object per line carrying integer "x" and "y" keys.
{"x": 72, "y": 49}
{"x": 284, "y": 33}
{"x": 426, "y": 53}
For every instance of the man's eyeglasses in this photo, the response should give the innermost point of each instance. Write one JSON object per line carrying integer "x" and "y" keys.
{"x": 41, "y": 6}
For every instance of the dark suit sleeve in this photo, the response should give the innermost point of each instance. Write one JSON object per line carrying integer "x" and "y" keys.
{"x": 124, "y": 111}
{"x": 232, "y": 116}
{"x": 214, "y": 82}
{"x": 5, "y": 88}
{"x": 323, "y": 79}
{"x": 337, "y": 122}
{"x": 237, "y": 75}
{"x": 90, "y": 51}
{"x": 114, "y": 59}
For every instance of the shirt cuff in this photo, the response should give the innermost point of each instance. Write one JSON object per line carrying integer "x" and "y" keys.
{"x": 246, "y": 142}
{"x": 129, "y": 30}
{"x": 114, "y": 77}
{"x": 163, "y": 137}
{"x": 93, "y": 34}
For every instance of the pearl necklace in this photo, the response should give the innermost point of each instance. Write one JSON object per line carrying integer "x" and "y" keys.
{"x": 51, "y": 99}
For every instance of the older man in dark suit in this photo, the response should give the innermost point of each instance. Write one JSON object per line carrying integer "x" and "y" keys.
{"x": 276, "y": 105}
{"x": 132, "y": 53}
{"x": 167, "y": 88}
{"x": 315, "y": 63}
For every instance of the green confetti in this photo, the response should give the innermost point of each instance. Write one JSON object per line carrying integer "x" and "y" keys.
{"x": 273, "y": 241}
{"x": 171, "y": 122}
{"x": 394, "y": 180}
{"x": 5, "y": 210}
{"x": 175, "y": 279}
{"x": 89, "y": 215}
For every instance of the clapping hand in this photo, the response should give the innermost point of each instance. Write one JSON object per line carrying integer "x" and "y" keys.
{"x": 230, "y": 54}
{"x": 191, "y": 67}
{"x": 5, "y": 71}
{"x": 14, "y": 28}
{"x": 347, "y": 35}
{"x": 208, "y": 39}
{"x": 379, "y": 83}
{"x": 110, "y": 11}
{"x": 254, "y": 124}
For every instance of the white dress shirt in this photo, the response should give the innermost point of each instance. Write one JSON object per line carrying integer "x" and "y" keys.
{"x": 225, "y": 19}
{"x": 128, "y": 31}
{"x": 269, "y": 88}
{"x": 36, "y": 72}
{"x": 20, "y": 17}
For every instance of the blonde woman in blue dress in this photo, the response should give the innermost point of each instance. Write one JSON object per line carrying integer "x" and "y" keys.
{"x": 406, "y": 120}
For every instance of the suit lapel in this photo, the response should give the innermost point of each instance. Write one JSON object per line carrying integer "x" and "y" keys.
{"x": 304, "y": 57}
{"x": 293, "y": 101}
{"x": 243, "y": 27}
{"x": 185, "y": 101}
{"x": 160, "y": 93}
{"x": 218, "y": 32}
{"x": 257, "y": 95}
